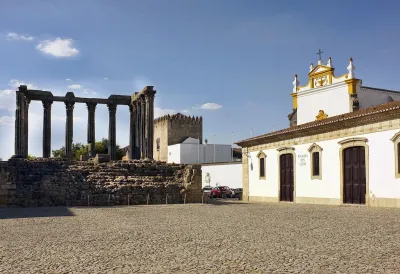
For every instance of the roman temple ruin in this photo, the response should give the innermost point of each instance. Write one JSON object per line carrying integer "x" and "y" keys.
{"x": 141, "y": 107}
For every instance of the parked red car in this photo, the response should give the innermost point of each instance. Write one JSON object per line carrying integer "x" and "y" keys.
{"x": 221, "y": 192}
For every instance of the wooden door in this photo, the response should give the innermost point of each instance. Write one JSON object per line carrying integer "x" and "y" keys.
{"x": 354, "y": 177}
{"x": 286, "y": 177}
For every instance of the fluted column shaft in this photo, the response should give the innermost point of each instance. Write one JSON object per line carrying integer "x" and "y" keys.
{"x": 19, "y": 125}
{"x": 132, "y": 131}
{"x": 137, "y": 131}
{"x": 112, "y": 108}
{"x": 91, "y": 139}
{"x": 143, "y": 128}
{"x": 149, "y": 123}
{"x": 46, "y": 128}
{"x": 69, "y": 129}
{"x": 26, "y": 127}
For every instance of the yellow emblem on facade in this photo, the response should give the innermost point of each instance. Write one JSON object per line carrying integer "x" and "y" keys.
{"x": 321, "y": 115}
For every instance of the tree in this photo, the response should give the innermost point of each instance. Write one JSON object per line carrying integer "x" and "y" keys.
{"x": 78, "y": 149}
{"x": 31, "y": 157}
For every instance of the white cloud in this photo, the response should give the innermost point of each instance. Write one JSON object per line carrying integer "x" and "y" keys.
{"x": 75, "y": 86}
{"x": 211, "y": 106}
{"x": 16, "y": 83}
{"x": 58, "y": 47}
{"x": 159, "y": 112}
{"x": 67, "y": 79}
{"x": 105, "y": 78}
{"x": 93, "y": 92}
{"x": 7, "y": 120}
{"x": 17, "y": 37}
{"x": 85, "y": 90}
{"x": 186, "y": 111}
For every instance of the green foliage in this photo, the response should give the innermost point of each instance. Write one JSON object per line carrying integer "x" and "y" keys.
{"x": 31, "y": 157}
{"x": 78, "y": 149}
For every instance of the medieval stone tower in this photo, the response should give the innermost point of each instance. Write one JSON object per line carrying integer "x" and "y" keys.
{"x": 173, "y": 129}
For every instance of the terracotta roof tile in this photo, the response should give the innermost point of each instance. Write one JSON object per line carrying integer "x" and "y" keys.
{"x": 339, "y": 121}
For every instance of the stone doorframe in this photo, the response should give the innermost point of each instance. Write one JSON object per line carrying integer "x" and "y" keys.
{"x": 281, "y": 151}
{"x": 354, "y": 142}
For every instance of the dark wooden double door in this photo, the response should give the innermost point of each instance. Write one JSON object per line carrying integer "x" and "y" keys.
{"x": 286, "y": 177}
{"x": 354, "y": 176}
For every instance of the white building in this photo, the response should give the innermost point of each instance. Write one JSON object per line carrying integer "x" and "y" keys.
{"x": 343, "y": 146}
{"x": 190, "y": 151}
{"x": 222, "y": 174}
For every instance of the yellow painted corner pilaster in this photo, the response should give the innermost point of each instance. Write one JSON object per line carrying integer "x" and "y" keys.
{"x": 294, "y": 95}
{"x": 352, "y": 85}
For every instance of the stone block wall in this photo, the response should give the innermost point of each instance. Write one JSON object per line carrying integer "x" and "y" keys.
{"x": 171, "y": 129}
{"x": 52, "y": 182}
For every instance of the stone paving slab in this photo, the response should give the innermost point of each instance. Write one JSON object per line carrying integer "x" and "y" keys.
{"x": 195, "y": 238}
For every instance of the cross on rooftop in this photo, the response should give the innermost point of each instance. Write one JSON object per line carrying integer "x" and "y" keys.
{"x": 320, "y": 53}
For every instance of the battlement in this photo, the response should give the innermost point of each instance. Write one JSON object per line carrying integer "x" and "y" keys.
{"x": 178, "y": 117}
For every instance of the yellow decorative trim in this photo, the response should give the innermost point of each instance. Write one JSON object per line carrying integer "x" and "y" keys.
{"x": 352, "y": 85}
{"x": 321, "y": 115}
{"x": 294, "y": 95}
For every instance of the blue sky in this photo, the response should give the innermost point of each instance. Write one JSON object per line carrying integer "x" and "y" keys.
{"x": 237, "y": 54}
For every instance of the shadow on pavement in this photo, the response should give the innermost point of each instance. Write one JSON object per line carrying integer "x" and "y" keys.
{"x": 34, "y": 212}
{"x": 219, "y": 201}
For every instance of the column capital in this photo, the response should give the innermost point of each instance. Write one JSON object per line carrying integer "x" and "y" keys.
{"x": 112, "y": 107}
{"x": 91, "y": 106}
{"x": 149, "y": 95}
{"x": 47, "y": 104}
{"x": 69, "y": 105}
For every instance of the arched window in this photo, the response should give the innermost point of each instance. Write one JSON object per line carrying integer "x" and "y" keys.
{"x": 261, "y": 164}
{"x": 396, "y": 141}
{"x": 315, "y": 161}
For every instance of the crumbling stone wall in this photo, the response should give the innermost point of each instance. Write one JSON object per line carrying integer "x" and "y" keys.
{"x": 51, "y": 182}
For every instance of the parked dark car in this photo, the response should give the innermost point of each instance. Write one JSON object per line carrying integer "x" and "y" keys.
{"x": 237, "y": 193}
{"x": 221, "y": 192}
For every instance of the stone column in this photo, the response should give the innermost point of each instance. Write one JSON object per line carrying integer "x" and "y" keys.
{"x": 132, "y": 131}
{"x": 137, "y": 130}
{"x": 27, "y": 101}
{"x": 69, "y": 129}
{"x": 91, "y": 139}
{"x": 19, "y": 141}
{"x": 143, "y": 127}
{"x": 112, "y": 108}
{"x": 47, "y": 128}
{"x": 149, "y": 122}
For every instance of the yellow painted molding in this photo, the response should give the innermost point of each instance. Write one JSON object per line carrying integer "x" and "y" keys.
{"x": 352, "y": 85}
{"x": 294, "y": 95}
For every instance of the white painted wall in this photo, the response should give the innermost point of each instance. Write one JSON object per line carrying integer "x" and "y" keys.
{"x": 382, "y": 181}
{"x": 193, "y": 153}
{"x": 333, "y": 100}
{"x": 225, "y": 174}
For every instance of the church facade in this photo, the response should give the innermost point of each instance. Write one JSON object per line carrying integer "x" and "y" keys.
{"x": 342, "y": 146}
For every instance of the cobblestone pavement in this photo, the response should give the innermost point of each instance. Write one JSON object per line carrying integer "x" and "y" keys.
{"x": 227, "y": 238}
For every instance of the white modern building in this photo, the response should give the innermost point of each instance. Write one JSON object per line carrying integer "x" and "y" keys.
{"x": 342, "y": 146}
{"x": 190, "y": 151}
{"x": 222, "y": 174}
